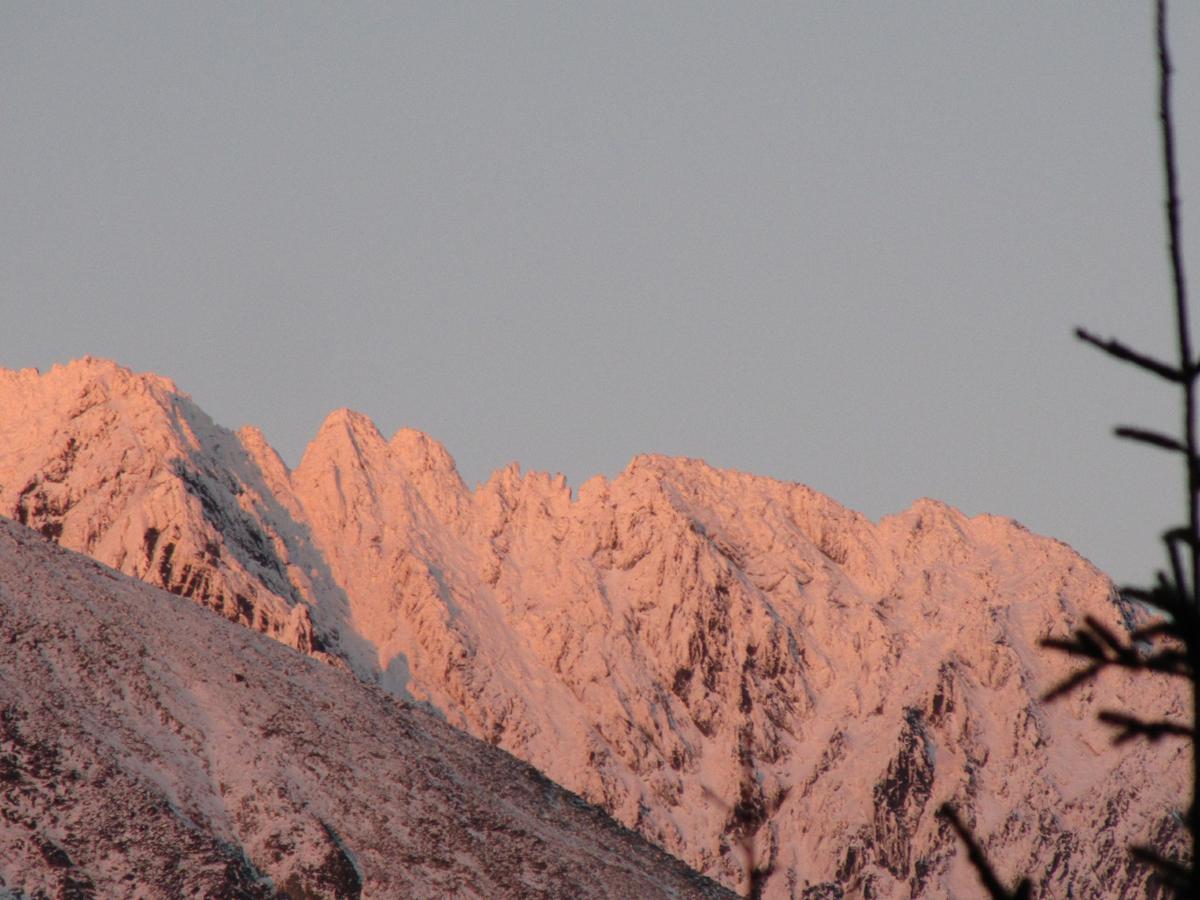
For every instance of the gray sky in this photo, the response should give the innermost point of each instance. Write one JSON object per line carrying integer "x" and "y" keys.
{"x": 843, "y": 244}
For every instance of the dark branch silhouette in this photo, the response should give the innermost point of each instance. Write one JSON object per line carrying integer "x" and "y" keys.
{"x": 1132, "y": 727}
{"x": 1173, "y": 875}
{"x": 978, "y": 858}
{"x": 1120, "y": 351}
{"x": 745, "y": 819}
{"x": 1098, "y": 643}
{"x": 1166, "y": 442}
{"x": 747, "y": 816}
{"x": 1171, "y": 645}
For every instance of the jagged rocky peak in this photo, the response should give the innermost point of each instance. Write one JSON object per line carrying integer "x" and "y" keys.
{"x": 421, "y": 453}
{"x": 89, "y": 370}
{"x": 126, "y": 468}
{"x": 756, "y": 521}
{"x": 337, "y": 466}
{"x": 261, "y": 451}
{"x": 707, "y": 654}
{"x": 346, "y": 438}
{"x": 344, "y": 429}
{"x": 371, "y": 470}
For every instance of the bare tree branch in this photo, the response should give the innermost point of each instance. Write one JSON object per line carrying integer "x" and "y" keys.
{"x": 1132, "y": 727}
{"x": 1179, "y": 595}
{"x": 1157, "y": 629}
{"x": 1067, "y": 685}
{"x": 1175, "y": 875}
{"x": 1153, "y": 438}
{"x": 978, "y": 858}
{"x": 1121, "y": 352}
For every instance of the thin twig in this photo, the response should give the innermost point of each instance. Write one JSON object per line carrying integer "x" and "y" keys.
{"x": 978, "y": 858}
{"x": 1120, "y": 351}
{"x": 1132, "y": 727}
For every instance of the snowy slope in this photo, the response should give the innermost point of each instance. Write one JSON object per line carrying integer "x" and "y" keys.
{"x": 148, "y": 748}
{"x": 647, "y": 639}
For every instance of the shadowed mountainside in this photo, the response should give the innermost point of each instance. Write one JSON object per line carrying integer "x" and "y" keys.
{"x": 148, "y": 748}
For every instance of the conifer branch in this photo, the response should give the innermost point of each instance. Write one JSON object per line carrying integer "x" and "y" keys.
{"x": 1131, "y": 727}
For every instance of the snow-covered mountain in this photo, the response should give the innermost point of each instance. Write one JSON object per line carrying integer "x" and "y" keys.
{"x": 647, "y": 641}
{"x": 150, "y": 749}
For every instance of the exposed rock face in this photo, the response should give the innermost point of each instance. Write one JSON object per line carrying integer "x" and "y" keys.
{"x": 651, "y": 640}
{"x": 150, "y": 749}
{"x": 127, "y": 470}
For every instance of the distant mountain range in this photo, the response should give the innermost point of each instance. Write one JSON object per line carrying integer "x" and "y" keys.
{"x": 718, "y": 660}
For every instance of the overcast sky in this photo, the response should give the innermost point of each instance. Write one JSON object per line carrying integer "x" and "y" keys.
{"x": 838, "y": 243}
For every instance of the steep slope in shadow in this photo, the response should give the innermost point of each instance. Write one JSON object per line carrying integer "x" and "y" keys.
{"x": 126, "y": 468}
{"x": 244, "y": 490}
{"x": 107, "y": 462}
{"x": 149, "y": 747}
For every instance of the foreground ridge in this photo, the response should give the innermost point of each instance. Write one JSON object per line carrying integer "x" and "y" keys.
{"x": 148, "y": 748}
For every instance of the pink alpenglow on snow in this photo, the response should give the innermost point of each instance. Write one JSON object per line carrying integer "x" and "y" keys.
{"x": 648, "y": 640}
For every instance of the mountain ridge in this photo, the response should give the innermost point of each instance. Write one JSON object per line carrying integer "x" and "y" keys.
{"x": 645, "y": 640}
